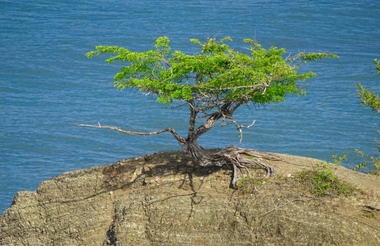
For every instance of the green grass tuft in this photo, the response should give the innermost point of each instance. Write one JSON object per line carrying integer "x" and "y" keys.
{"x": 321, "y": 181}
{"x": 369, "y": 214}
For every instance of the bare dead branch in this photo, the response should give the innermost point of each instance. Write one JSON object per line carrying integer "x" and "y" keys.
{"x": 171, "y": 130}
{"x": 231, "y": 88}
{"x": 204, "y": 116}
{"x": 240, "y": 127}
{"x": 261, "y": 86}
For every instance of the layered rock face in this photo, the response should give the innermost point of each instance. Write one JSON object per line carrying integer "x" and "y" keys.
{"x": 162, "y": 199}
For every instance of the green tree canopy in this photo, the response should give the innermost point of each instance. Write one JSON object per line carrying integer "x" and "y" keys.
{"x": 218, "y": 74}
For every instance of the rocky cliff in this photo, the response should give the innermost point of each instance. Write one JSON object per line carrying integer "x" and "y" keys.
{"x": 161, "y": 199}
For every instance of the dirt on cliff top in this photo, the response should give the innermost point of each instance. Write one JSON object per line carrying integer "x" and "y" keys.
{"x": 163, "y": 199}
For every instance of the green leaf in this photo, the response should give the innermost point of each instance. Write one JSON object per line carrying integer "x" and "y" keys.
{"x": 162, "y": 42}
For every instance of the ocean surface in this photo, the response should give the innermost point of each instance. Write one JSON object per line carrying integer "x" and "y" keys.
{"x": 47, "y": 85}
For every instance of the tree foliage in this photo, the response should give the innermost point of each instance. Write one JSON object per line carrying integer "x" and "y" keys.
{"x": 372, "y": 100}
{"x": 368, "y": 97}
{"x": 218, "y": 74}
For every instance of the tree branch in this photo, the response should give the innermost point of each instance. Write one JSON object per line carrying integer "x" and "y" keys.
{"x": 240, "y": 127}
{"x": 259, "y": 86}
{"x": 208, "y": 124}
{"x": 171, "y": 130}
{"x": 223, "y": 112}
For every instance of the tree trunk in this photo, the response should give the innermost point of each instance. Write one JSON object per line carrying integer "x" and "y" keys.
{"x": 229, "y": 156}
{"x": 199, "y": 154}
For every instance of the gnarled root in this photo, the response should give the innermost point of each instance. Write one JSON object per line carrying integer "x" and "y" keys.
{"x": 239, "y": 158}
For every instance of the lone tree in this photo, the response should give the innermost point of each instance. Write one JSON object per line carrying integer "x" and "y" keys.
{"x": 213, "y": 84}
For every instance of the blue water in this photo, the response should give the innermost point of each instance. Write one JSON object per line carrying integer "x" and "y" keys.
{"x": 47, "y": 85}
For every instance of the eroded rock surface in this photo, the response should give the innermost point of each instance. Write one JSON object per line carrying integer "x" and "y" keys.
{"x": 161, "y": 199}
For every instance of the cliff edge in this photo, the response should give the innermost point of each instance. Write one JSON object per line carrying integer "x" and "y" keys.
{"x": 161, "y": 199}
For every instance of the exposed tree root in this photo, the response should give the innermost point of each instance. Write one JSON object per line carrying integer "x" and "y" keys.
{"x": 239, "y": 158}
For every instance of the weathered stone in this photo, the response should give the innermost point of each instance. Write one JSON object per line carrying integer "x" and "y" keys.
{"x": 161, "y": 199}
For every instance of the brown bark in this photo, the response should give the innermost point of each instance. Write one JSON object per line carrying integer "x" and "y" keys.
{"x": 199, "y": 154}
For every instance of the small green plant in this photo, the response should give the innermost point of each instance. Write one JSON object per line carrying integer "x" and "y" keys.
{"x": 322, "y": 181}
{"x": 338, "y": 159}
{"x": 365, "y": 160}
{"x": 359, "y": 166}
{"x": 369, "y": 214}
{"x": 373, "y": 160}
{"x": 248, "y": 184}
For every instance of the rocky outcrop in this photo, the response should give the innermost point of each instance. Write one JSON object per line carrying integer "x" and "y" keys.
{"x": 161, "y": 199}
